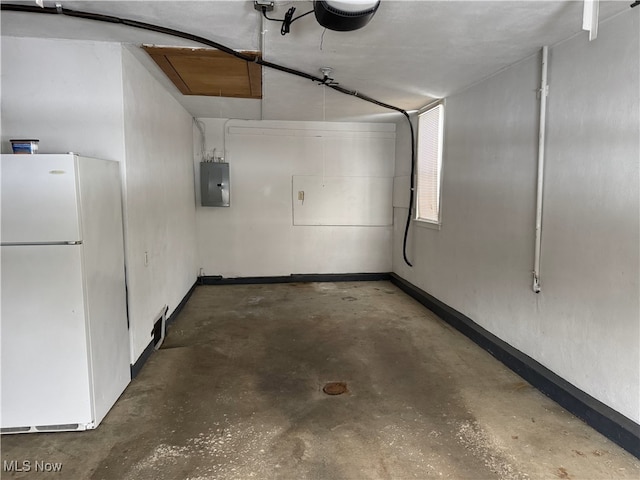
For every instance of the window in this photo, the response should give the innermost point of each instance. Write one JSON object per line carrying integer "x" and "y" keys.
{"x": 429, "y": 165}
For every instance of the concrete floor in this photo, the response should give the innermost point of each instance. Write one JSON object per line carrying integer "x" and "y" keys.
{"x": 236, "y": 393}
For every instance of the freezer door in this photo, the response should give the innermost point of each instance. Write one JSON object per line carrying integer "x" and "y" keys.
{"x": 44, "y": 358}
{"x": 39, "y": 199}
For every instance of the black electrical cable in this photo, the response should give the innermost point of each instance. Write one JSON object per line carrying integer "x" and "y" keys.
{"x": 98, "y": 17}
{"x": 303, "y": 15}
{"x": 411, "y": 189}
{"x": 264, "y": 14}
{"x": 287, "y": 20}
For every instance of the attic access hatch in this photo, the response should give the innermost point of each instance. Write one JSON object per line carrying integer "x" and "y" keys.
{"x": 209, "y": 72}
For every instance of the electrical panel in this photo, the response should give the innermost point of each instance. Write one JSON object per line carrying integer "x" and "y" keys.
{"x": 214, "y": 184}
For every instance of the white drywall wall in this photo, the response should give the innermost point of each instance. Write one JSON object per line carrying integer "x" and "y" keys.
{"x": 67, "y": 94}
{"x": 159, "y": 191}
{"x": 92, "y": 98}
{"x": 255, "y": 236}
{"x": 346, "y": 201}
{"x": 584, "y": 325}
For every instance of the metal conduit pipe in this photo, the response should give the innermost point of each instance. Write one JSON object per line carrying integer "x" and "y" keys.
{"x": 544, "y": 91}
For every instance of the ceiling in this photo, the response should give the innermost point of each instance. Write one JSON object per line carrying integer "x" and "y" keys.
{"x": 411, "y": 52}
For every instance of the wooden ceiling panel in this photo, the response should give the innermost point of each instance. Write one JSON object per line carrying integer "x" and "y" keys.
{"x": 209, "y": 72}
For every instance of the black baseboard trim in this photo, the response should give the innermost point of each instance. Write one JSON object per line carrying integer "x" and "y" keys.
{"x": 297, "y": 278}
{"x": 149, "y": 349}
{"x": 181, "y": 305}
{"x": 613, "y": 425}
{"x": 142, "y": 359}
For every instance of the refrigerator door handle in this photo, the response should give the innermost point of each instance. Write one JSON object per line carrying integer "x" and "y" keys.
{"x": 39, "y": 244}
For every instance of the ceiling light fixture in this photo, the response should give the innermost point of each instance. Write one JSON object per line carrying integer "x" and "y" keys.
{"x": 344, "y": 15}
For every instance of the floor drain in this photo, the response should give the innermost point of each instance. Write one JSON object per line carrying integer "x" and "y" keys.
{"x": 335, "y": 388}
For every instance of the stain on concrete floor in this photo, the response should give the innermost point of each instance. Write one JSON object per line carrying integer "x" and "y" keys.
{"x": 236, "y": 393}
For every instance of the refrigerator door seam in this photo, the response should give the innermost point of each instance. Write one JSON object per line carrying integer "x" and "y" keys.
{"x": 38, "y": 244}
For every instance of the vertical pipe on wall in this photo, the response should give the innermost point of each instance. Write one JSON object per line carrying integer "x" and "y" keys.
{"x": 261, "y": 49}
{"x": 544, "y": 91}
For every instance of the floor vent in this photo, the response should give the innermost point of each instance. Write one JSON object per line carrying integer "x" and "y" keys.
{"x": 335, "y": 388}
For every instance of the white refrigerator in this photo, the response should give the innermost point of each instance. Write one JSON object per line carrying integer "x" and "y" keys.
{"x": 63, "y": 325}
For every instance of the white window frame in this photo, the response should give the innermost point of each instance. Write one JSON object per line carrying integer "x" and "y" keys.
{"x": 429, "y": 221}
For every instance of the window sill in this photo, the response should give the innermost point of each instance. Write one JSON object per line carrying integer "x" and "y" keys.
{"x": 425, "y": 224}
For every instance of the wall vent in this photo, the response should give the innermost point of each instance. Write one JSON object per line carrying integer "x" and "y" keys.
{"x": 159, "y": 328}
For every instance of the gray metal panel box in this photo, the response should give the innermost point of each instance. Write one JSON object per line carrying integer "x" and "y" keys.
{"x": 214, "y": 184}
